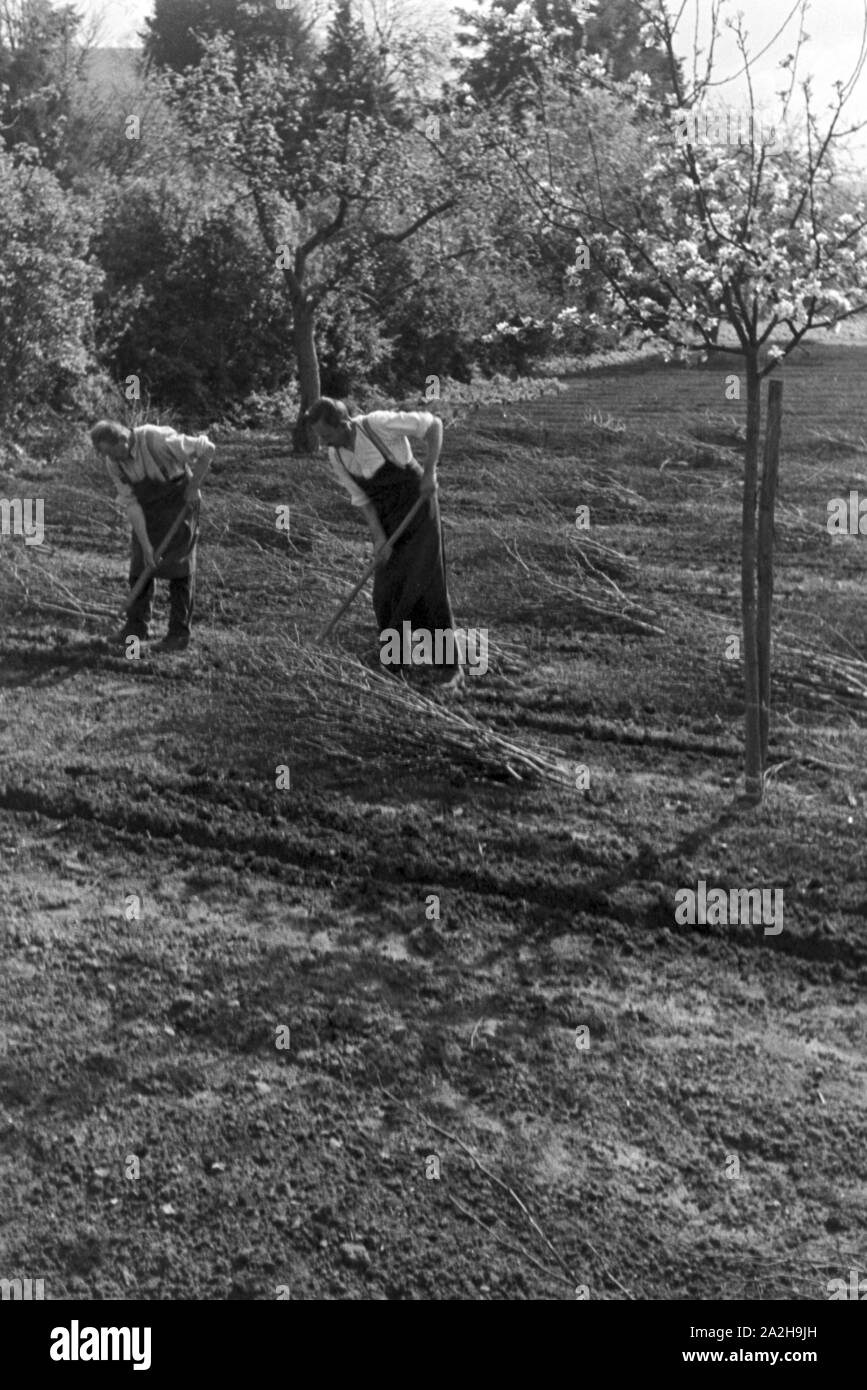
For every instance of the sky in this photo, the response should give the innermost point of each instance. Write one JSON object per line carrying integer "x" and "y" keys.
{"x": 123, "y": 19}
{"x": 834, "y": 27}
{"x": 120, "y": 19}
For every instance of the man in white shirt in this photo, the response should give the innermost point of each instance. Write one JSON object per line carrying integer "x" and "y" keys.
{"x": 150, "y": 469}
{"x": 372, "y": 457}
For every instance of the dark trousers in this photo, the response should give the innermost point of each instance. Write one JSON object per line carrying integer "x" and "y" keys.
{"x": 182, "y": 593}
{"x": 412, "y": 586}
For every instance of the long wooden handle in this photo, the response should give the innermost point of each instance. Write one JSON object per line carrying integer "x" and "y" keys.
{"x": 389, "y": 540}
{"x": 199, "y": 474}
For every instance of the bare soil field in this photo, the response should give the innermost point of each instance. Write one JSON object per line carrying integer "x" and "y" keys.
{"x": 244, "y": 1058}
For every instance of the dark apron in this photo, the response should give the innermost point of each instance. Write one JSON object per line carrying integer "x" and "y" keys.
{"x": 411, "y": 586}
{"x": 161, "y": 503}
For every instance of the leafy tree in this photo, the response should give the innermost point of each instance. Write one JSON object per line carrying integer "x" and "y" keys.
{"x": 756, "y": 234}
{"x": 518, "y": 37}
{"x": 185, "y": 308}
{"x": 516, "y": 47}
{"x": 40, "y": 60}
{"x": 334, "y": 169}
{"x": 441, "y": 294}
{"x": 119, "y": 127}
{"x": 47, "y": 285}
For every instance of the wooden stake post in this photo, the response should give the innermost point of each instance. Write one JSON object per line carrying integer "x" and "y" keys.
{"x": 765, "y": 558}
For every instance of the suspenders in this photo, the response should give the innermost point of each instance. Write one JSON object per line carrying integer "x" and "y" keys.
{"x": 154, "y": 460}
{"x": 377, "y": 443}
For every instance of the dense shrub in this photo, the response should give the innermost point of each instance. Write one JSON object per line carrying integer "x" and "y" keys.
{"x": 191, "y": 306}
{"x": 46, "y": 290}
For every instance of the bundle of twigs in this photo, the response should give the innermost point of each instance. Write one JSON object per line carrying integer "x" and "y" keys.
{"x": 697, "y": 452}
{"x": 825, "y": 444}
{"x": 582, "y": 602}
{"x": 825, "y": 673}
{"x": 614, "y": 491}
{"x": 29, "y": 586}
{"x": 346, "y": 696}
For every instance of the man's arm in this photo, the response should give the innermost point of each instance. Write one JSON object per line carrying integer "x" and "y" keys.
{"x": 433, "y": 439}
{"x": 189, "y": 449}
{"x": 362, "y": 502}
{"x": 127, "y": 498}
{"x": 414, "y": 424}
{"x": 376, "y": 531}
{"x": 139, "y": 526}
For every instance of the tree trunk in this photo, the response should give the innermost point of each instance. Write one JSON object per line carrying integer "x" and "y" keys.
{"x": 765, "y": 568}
{"x": 304, "y": 342}
{"x": 303, "y": 318}
{"x": 752, "y": 739}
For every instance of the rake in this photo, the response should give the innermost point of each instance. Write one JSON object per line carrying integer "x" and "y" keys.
{"x": 390, "y": 540}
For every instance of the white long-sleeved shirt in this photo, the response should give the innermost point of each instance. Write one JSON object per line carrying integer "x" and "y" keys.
{"x": 159, "y": 453}
{"x": 396, "y": 428}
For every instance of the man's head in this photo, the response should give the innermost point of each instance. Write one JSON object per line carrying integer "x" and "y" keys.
{"x": 111, "y": 440}
{"x": 330, "y": 419}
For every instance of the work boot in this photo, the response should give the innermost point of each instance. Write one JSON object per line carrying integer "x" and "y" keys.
{"x": 173, "y": 642}
{"x": 131, "y": 630}
{"x": 182, "y": 594}
{"x": 453, "y": 681}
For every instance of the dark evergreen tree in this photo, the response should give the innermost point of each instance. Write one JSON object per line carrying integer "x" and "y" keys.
{"x": 177, "y": 34}
{"x": 352, "y": 72}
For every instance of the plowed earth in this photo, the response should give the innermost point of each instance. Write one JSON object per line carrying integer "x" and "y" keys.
{"x": 244, "y": 1058}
